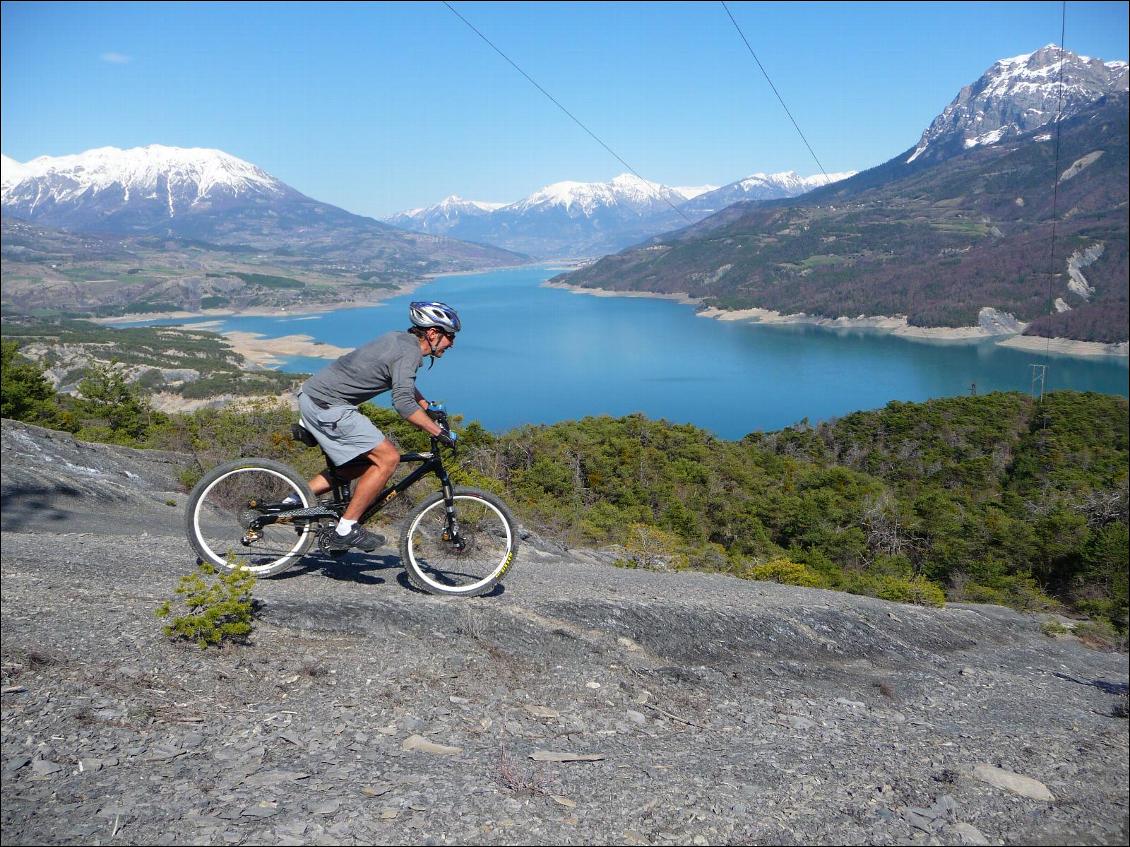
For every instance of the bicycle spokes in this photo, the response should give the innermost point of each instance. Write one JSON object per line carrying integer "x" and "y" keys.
{"x": 460, "y": 552}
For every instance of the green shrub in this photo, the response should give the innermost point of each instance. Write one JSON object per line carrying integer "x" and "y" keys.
{"x": 217, "y": 606}
{"x": 921, "y": 592}
{"x": 786, "y": 572}
{"x": 1024, "y": 593}
{"x": 653, "y": 549}
{"x": 25, "y": 393}
{"x": 1100, "y": 635}
{"x": 975, "y": 592}
{"x": 918, "y": 591}
{"x": 1051, "y": 628}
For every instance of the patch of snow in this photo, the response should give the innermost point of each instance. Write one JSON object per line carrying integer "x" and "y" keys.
{"x": 918, "y": 151}
{"x": 986, "y": 139}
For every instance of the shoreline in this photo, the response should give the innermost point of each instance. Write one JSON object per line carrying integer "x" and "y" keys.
{"x": 263, "y": 352}
{"x": 377, "y": 299}
{"x": 254, "y": 312}
{"x": 897, "y": 326}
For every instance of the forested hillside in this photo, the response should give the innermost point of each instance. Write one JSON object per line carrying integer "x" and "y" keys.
{"x": 999, "y": 498}
{"x": 935, "y": 243}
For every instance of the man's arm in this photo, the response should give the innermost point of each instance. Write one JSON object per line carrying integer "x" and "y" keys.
{"x": 420, "y": 418}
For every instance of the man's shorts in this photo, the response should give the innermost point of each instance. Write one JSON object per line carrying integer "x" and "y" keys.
{"x": 343, "y": 431}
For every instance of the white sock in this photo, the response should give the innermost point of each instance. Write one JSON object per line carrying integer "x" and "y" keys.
{"x": 345, "y": 527}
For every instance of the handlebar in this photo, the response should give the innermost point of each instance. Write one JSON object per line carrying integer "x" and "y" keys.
{"x": 437, "y": 413}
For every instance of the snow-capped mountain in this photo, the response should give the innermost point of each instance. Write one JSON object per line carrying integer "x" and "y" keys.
{"x": 572, "y": 219}
{"x": 1016, "y": 96}
{"x": 445, "y": 215}
{"x": 625, "y": 196}
{"x": 758, "y": 187}
{"x": 143, "y": 183}
{"x": 212, "y": 196}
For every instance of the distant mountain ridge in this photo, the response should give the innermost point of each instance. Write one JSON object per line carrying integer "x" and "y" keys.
{"x": 214, "y": 197}
{"x": 581, "y": 219}
{"x": 961, "y": 222}
{"x": 757, "y": 187}
{"x": 176, "y": 178}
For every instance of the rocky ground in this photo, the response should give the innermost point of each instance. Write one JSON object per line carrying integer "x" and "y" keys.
{"x": 581, "y": 704}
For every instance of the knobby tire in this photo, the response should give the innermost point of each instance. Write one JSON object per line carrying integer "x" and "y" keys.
{"x": 436, "y": 565}
{"x": 217, "y": 512}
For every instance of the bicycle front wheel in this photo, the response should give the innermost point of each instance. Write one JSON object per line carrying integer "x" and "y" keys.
{"x": 223, "y": 504}
{"x": 468, "y": 564}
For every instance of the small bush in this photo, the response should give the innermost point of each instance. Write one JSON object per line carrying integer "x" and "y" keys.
{"x": 1100, "y": 635}
{"x": 786, "y": 572}
{"x": 217, "y": 606}
{"x": 1024, "y": 593}
{"x": 921, "y": 592}
{"x": 975, "y": 592}
{"x": 189, "y": 477}
{"x": 654, "y": 549}
{"x": 918, "y": 591}
{"x": 1052, "y": 628}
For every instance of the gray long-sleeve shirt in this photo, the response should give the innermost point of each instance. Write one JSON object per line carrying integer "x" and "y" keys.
{"x": 388, "y": 363}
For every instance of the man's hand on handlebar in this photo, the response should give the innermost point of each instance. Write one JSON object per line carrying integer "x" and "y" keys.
{"x": 447, "y": 438}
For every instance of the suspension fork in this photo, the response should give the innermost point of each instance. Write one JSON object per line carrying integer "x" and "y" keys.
{"x": 451, "y": 531}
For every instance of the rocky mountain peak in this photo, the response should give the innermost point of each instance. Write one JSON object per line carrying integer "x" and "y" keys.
{"x": 178, "y": 176}
{"x": 1019, "y": 95}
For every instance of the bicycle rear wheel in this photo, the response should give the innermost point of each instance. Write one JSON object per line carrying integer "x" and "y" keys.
{"x": 469, "y": 565}
{"x": 223, "y": 504}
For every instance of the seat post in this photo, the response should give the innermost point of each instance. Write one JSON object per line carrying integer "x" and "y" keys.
{"x": 339, "y": 486}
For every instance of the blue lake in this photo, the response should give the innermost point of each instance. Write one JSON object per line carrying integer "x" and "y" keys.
{"x": 530, "y": 354}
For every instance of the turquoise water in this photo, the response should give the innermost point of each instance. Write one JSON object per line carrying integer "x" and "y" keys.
{"x": 530, "y": 354}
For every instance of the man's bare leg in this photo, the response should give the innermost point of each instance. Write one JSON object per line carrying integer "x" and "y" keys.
{"x": 320, "y": 484}
{"x": 371, "y": 482}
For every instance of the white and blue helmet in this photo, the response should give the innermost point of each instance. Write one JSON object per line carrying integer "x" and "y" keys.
{"x": 439, "y": 315}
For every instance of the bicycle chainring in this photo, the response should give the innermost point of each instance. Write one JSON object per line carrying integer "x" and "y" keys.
{"x": 246, "y": 516}
{"x": 325, "y": 537}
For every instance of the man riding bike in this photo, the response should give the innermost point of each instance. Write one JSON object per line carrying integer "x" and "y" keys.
{"x": 328, "y": 405}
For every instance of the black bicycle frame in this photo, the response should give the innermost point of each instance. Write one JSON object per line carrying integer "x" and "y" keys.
{"x": 341, "y": 492}
{"x": 431, "y": 463}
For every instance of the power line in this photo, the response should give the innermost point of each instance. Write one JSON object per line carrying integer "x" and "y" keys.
{"x": 775, "y": 91}
{"x": 1055, "y": 174}
{"x": 573, "y": 117}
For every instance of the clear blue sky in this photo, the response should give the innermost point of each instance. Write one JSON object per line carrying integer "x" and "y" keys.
{"x": 381, "y": 107}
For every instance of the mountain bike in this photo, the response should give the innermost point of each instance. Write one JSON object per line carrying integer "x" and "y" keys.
{"x": 458, "y": 541}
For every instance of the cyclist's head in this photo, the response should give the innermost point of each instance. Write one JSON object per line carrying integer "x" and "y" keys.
{"x": 439, "y": 315}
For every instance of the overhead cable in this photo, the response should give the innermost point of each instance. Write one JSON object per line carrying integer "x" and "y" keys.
{"x": 573, "y": 117}
{"x": 1055, "y": 175}
{"x": 775, "y": 91}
